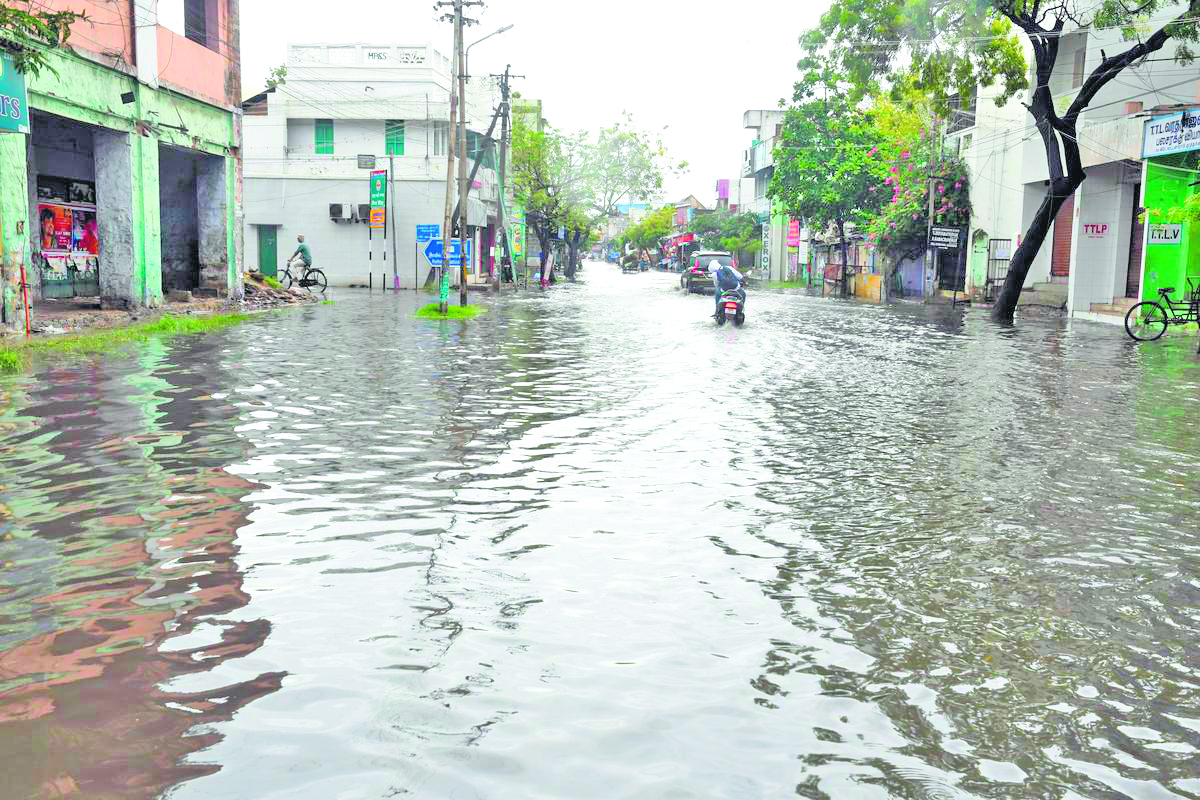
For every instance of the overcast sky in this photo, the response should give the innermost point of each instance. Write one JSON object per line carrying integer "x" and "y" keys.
{"x": 693, "y": 66}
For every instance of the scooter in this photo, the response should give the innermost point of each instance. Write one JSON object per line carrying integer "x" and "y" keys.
{"x": 732, "y": 307}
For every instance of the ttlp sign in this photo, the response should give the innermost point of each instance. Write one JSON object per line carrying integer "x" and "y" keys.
{"x": 14, "y": 103}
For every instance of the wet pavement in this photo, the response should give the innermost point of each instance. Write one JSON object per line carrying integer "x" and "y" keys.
{"x": 591, "y": 546}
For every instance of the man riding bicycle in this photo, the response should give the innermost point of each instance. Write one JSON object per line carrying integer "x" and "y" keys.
{"x": 301, "y": 259}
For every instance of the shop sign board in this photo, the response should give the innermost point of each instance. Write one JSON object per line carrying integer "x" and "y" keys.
{"x": 765, "y": 255}
{"x": 1096, "y": 230}
{"x": 1173, "y": 133}
{"x": 378, "y": 199}
{"x": 14, "y": 101}
{"x": 944, "y": 238}
{"x": 793, "y": 239}
{"x": 1165, "y": 234}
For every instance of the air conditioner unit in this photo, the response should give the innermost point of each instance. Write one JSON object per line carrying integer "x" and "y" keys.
{"x": 364, "y": 212}
{"x": 339, "y": 212}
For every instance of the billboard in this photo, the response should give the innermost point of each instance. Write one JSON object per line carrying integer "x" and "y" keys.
{"x": 378, "y": 199}
{"x": 14, "y": 102}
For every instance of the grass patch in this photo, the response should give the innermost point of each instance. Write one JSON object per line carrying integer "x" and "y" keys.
{"x": 452, "y": 312}
{"x": 269, "y": 281}
{"x": 326, "y": 302}
{"x": 12, "y": 356}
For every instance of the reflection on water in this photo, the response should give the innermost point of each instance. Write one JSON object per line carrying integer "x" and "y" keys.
{"x": 845, "y": 551}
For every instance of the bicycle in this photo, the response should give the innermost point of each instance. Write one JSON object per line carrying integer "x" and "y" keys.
{"x": 311, "y": 277}
{"x": 1148, "y": 320}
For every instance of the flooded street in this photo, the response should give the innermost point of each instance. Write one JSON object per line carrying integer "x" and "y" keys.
{"x": 591, "y": 546}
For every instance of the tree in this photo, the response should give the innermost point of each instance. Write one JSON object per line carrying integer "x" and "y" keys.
{"x": 624, "y": 164}
{"x": 28, "y": 35}
{"x": 650, "y": 230}
{"x": 825, "y": 170}
{"x": 951, "y": 46}
{"x": 546, "y": 176}
{"x": 740, "y": 234}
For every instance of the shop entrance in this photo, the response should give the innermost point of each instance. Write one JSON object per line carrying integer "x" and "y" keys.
{"x": 179, "y": 218}
{"x": 62, "y": 186}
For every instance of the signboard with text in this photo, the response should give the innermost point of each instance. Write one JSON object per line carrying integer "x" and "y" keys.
{"x": 793, "y": 238}
{"x": 1096, "y": 230}
{"x": 433, "y": 253}
{"x": 366, "y": 162}
{"x": 427, "y": 233}
{"x": 1165, "y": 234}
{"x": 378, "y": 199}
{"x": 14, "y": 102}
{"x": 1173, "y": 133}
{"x": 944, "y": 238}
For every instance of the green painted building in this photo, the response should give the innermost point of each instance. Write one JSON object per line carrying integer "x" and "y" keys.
{"x": 1172, "y": 153}
{"x": 125, "y": 183}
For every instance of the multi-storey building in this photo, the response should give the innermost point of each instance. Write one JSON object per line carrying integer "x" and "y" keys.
{"x": 120, "y": 173}
{"x": 1098, "y": 259}
{"x": 310, "y": 144}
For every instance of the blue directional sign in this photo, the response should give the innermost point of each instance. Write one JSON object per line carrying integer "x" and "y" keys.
{"x": 433, "y": 252}
{"x": 427, "y": 233}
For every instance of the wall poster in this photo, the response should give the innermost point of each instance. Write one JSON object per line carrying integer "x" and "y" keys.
{"x": 67, "y": 230}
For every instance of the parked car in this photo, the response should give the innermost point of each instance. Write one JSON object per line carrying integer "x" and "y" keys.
{"x": 695, "y": 278}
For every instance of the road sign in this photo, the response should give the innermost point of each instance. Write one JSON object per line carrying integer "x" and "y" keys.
{"x": 945, "y": 238}
{"x": 426, "y": 233}
{"x": 433, "y": 253}
{"x": 378, "y": 198}
{"x": 366, "y": 162}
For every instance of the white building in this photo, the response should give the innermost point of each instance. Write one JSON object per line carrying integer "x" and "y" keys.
{"x": 302, "y": 146}
{"x": 1092, "y": 260}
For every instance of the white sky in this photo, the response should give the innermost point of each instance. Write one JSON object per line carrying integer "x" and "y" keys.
{"x": 692, "y": 65}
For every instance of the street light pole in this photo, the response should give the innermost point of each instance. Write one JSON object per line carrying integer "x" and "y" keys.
{"x": 472, "y": 44}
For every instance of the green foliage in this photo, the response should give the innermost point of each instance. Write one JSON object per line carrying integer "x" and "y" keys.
{"x": 29, "y": 35}
{"x": 277, "y": 77}
{"x": 825, "y": 172}
{"x": 623, "y": 164}
{"x": 269, "y": 281}
{"x": 733, "y": 233}
{"x": 10, "y": 361}
{"x": 452, "y": 312}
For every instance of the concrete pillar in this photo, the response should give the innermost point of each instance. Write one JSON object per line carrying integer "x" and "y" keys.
{"x": 14, "y": 222}
{"x": 216, "y": 226}
{"x": 127, "y": 216}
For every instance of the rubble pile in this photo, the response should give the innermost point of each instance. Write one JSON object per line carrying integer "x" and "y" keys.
{"x": 259, "y": 295}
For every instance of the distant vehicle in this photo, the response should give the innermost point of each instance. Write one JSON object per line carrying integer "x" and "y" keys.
{"x": 695, "y": 278}
{"x": 629, "y": 266}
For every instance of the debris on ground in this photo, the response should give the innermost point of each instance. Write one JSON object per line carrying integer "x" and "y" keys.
{"x": 259, "y": 295}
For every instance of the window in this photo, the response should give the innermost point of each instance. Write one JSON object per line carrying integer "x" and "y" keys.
{"x": 323, "y": 142}
{"x": 393, "y": 137}
{"x": 441, "y": 137}
{"x": 195, "y": 19}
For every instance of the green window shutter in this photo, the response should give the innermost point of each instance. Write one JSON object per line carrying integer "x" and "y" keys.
{"x": 393, "y": 137}
{"x": 324, "y": 137}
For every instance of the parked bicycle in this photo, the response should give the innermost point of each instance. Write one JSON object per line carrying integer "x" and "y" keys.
{"x": 1148, "y": 320}
{"x": 312, "y": 279}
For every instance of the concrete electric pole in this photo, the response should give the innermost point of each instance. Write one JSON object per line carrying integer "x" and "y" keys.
{"x": 457, "y": 146}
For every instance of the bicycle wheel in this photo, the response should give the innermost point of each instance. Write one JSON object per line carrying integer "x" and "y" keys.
{"x": 314, "y": 281}
{"x": 1146, "y": 321}
{"x": 285, "y": 280}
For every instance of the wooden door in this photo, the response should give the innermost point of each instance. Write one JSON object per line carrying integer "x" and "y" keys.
{"x": 268, "y": 250}
{"x": 1064, "y": 224}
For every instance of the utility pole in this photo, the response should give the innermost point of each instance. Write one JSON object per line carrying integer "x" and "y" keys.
{"x": 458, "y": 111}
{"x": 506, "y": 110}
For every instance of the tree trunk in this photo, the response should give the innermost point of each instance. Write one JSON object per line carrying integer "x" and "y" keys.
{"x": 573, "y": 259}
{"x": 1035, "y": 236}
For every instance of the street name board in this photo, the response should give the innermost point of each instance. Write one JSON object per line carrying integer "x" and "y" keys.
{"x": 427, "y": 233}
{"x": 433, "y": 252}
{"x": 378, "y": 199}
{"x": 944, "y": 238}
{"x": 366, "y": 162}
{"x": 1165, "y": 234}
{"x": 1173, "y": 133}
{"x": 14, "y": 101}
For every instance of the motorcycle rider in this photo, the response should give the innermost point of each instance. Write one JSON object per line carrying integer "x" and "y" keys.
{"x": 724, "y": 278}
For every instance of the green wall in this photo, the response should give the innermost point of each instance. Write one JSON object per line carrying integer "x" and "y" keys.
{"x": 1167, "y": 186}
{"x": 87, "y": 92}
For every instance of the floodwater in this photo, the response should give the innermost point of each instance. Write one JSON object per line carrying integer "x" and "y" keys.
{"x": 591, "y": 546}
